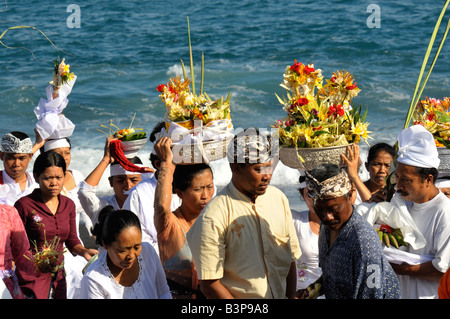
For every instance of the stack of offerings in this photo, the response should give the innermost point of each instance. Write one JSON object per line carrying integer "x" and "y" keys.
{"x": 200, "y": 127}
{"x": 320, "y": 120}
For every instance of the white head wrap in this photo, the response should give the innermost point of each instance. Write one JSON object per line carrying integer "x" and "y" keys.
{"x": 417, "y": 148}
{"x": 54, "y": 144}
{"x": 115, "y": 170}
{"x": 12, "y": 144}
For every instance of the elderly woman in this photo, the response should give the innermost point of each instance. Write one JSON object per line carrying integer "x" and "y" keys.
{"x": 194, "y": 185}
{"x": 46, "y": 214}
{"x": 129, "y": 268}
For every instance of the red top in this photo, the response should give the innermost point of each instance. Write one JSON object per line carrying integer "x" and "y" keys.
{"x": 36, "y": 218}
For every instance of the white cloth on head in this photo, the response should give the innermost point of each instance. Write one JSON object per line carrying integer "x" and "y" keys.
{"x": 56, "y": 143}
{"x": 12, "y": 144}
{"x": 417, "y": 148}
{"x": 115, "y": 170}
{"x": 51, "y": 122}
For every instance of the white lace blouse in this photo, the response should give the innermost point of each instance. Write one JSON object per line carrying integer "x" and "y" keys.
{"x": 99, "y": 283}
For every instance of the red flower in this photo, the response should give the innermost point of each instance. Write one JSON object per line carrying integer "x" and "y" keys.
{"x": 308, "y": 70}
{"x": 160, "y": 88}
{"x": 296, "y": 67}
{"x": 302, "y": 101}
{"x": 351, "y": 87}
{"x": 335, "y": 110}
{"x": 386, "y": 228}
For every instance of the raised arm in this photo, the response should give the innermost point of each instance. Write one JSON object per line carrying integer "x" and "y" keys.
{"x": 163, "y": 192}
{"x": 351, "y": 159}
{"x": 95, "y": 176}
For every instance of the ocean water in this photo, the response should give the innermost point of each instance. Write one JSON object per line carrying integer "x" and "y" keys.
{"x": 123, "y": 49}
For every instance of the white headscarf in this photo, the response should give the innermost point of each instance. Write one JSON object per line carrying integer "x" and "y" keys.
{"x": 12, "y": 144}
{"x": 417, "y": 148}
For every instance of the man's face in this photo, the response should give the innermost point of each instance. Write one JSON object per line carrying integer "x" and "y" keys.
{"x": 15, "y": 164}
{"x": 334, "y": 212}
{"x": 410, "y": 185}
{"x": 254, "y": 178}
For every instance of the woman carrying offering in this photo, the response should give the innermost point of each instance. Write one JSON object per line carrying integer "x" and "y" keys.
{"x": 194, "y": 185}
{"x": 47, "y": 215}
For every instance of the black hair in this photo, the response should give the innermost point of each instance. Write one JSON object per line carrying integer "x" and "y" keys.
{"x": 423, "y": 172}
{"x": 48, "y": 159}
{"x": 111, "y": 223}
{"x": 152, "y": 138}
{"x": 374, "y": 149}
{"x": 325, "y": 171}
{"x": 20, "y": 135}
{"x": 183, "y": 175}
{"x": 134, "y": 160}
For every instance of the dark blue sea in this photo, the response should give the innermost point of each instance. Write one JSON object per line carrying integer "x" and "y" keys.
{"x": 122, "y": 50}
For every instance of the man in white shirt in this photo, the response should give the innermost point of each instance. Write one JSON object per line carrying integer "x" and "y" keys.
{"x": 416, "y": 174}
{"x": 16, "y": 153}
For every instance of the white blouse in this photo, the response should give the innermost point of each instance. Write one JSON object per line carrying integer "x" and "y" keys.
{"x": 308, "y": 270}
{"x": 99, "y": 283}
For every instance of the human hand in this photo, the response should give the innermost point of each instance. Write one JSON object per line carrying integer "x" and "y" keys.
{"x": 107, "y": 150}
{"x": 351, "y": 160}
{"x": 163, "y": 149}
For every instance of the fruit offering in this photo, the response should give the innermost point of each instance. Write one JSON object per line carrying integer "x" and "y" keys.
{"x": 391, "y": 236}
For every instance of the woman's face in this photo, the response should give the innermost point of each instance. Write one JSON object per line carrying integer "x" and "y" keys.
{"x": 125, "y": 250}
{"x": 64, "y": 152}
{"x": 51, "y": 181}
{"x": 379, "y": 167}
{"x": 200, "y": 192}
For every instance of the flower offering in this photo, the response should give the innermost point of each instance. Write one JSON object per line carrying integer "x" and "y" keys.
{"x": 319, "y": 115}
{"x": 47, "y": 258}
{"x": 434, "y": 115}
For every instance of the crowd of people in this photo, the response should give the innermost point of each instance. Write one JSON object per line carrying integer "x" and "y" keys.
{"x": 169, "y": 233}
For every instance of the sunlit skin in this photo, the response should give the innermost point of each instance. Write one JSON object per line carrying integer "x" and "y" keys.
{"x": 123, "y": 183}
{"x": 198, "y": 194}
{"x": 413, "y": 187}
{"x": 378, "y": 170}
{"x": 123, "y": 255}
{"x": 334, "y": 213}
{"x": 252, "y": 179}
{"x": 65, "y": 153}
{"x": 16, "y": 165}
{"x": 51, "y": 182}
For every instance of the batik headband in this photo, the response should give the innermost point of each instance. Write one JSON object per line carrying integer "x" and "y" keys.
{"x": 332, "y": 187}
{"x": 12, "y": 144}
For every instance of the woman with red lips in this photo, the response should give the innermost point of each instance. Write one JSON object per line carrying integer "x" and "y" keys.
{"x": 194, "y": 185}
{"x": 46, "y": 214}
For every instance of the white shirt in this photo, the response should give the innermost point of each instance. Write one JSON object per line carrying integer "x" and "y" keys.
{"x": 99, "y": 283}
{"x": 10, "y": 191}
{"x": 141, "y": 201}
{"x": 433, "y": 220}
{"x": 91, "y": 203}
{"x": 308, "y": 270}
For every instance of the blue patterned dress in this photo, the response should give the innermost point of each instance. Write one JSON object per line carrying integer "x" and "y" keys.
{"x": 354, "y": 266}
